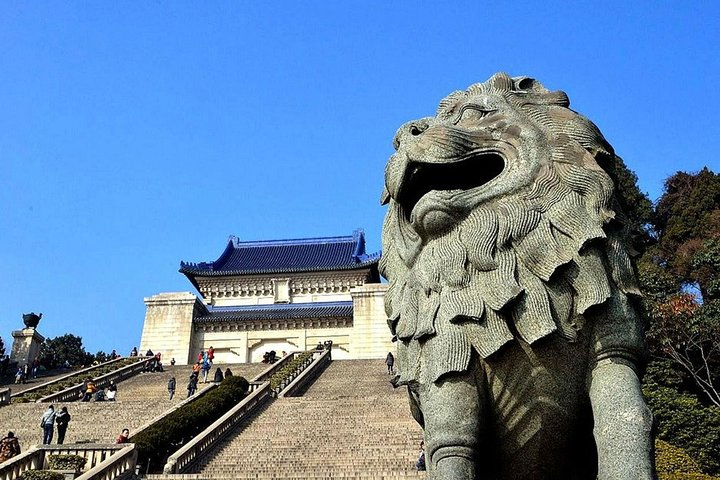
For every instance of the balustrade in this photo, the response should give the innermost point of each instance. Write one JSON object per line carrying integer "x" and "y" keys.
{"x": 74, "y": 393}
{"x": 310, "y": 369}
{"x": 65, "y": 377}
{"x": 186, "y": 456}
{"x": 103, "y": 461}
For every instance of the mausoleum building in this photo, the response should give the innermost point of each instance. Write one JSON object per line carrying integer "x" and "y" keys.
{"x": 281, "y": 295}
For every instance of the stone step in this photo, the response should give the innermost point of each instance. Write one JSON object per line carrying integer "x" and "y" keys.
{"x": 389, "y": 475}
{"x": 350, "y": 423}
{"x": 140, "y": 399}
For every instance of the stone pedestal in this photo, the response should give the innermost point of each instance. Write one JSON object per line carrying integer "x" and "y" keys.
{"x": 370, "y": 337}
{"x": 168, "y": 327}
{"x": 26, "y": 345}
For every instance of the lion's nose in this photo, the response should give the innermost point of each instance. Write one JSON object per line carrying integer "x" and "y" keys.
{"x": 412, "y": 129}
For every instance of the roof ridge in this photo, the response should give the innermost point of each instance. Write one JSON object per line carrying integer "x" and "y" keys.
{"x": 316, "y": 254}
{"x": 294, "y": 241}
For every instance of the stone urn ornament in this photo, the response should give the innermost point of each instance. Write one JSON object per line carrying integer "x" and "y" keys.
{"x": 31, "y": 320}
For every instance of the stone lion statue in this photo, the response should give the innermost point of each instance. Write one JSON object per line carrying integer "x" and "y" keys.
{"x": 511, "y": 293}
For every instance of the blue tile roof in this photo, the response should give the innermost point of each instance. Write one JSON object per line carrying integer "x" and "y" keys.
{"x": 286, "y": 311}
{"x": 286, "y": 256}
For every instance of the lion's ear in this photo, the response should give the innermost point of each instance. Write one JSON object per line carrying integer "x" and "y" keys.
{"x": 385, "y": 196}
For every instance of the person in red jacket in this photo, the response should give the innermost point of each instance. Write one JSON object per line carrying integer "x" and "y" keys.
{"x": 123, "y": 437}
{"x": 9, "y": 447}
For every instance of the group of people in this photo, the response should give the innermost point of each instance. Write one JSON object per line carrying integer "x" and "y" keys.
{"x": 202, "y": 366}
{"x": 153, "y": 364}
{"x": 48, "y": 421}
{"x": 27, "y": 371}
{"x": 270, "y": 357}
{"x": 90, "y": 390}
{"x": 326, "y": 345}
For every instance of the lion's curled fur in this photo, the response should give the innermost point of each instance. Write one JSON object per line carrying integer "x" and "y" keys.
{"x": 532, "y": 262}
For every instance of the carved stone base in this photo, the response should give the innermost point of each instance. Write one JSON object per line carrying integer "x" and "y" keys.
{"x": 26, "y": 345}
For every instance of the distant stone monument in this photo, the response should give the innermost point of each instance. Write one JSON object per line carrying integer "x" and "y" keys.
{"x": 26, "y": 342}
{"x": 512, "y": 294}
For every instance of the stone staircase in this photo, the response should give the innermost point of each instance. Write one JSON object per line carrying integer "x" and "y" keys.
{"x": 139, "y": 400}
{"x": 349, "y": 424}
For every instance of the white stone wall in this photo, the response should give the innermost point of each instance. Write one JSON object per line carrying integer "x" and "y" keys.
{"x": 371, "y": 336}
{"x": 168, "y": 327}
{"x": 233, "y": 346}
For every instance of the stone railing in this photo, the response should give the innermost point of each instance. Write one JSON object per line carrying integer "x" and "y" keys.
{"x": 268, "y": 372}
{"x": 33, "y": 459}
{"x": 75, "y": 392}
{"x": 278, "y": 387}
{"x": 189, "y": 454}
{"x": 65, "y": 377}
{"x": 120, "y": 465}
{"x": 5, "y": 394}
{"x": 261, "y": 393}
{"x": 302, "y": 377}
{"x": 104, "y": 461}
{"x": 254, "y": 385}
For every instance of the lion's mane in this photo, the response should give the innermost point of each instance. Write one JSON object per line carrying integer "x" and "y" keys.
{"x": 537, "y": 260}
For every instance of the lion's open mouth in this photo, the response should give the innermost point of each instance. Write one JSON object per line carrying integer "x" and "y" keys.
{"x": 472, "y": 172}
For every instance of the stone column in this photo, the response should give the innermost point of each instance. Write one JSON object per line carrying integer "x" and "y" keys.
{"x": 26, "y": 345}
{"x": 370, "y": 337}
{"x": 168, "y": 326}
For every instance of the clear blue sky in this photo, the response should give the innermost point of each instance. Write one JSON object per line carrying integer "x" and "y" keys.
{"x": 134, "y": 135}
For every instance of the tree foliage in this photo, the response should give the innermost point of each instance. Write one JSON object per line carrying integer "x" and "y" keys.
{"x": 687, "y": 223}
{"x": 682, "y": 420}
{"x": 65, "y": 349}
{"x": 636, "y": 207}
{"x": 680, "y": 277}
{"x": 2, "y": 347}
{"x": 688, "y": 333}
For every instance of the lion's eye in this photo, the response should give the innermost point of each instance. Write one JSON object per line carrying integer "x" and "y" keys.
{"x": 473, "y": 113}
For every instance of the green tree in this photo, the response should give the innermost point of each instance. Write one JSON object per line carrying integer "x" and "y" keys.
{"x": 680, "y": 276}
{"x": 2, "y": 347}
{"x": 101, "y": 356}
{"x": 55, "y": 352}
{"x": 687, "y": 216}
{"x": 682, "y": 420}
{"x": 635, "y": 206}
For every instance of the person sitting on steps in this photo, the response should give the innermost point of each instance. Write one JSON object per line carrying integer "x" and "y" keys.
{"x": 100, "y": 395}
{"x": 9, "y": 447}
{"x": 89, "y": 391}
{"x": 123, "y": 437}
{"x": 112, "y": 391}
